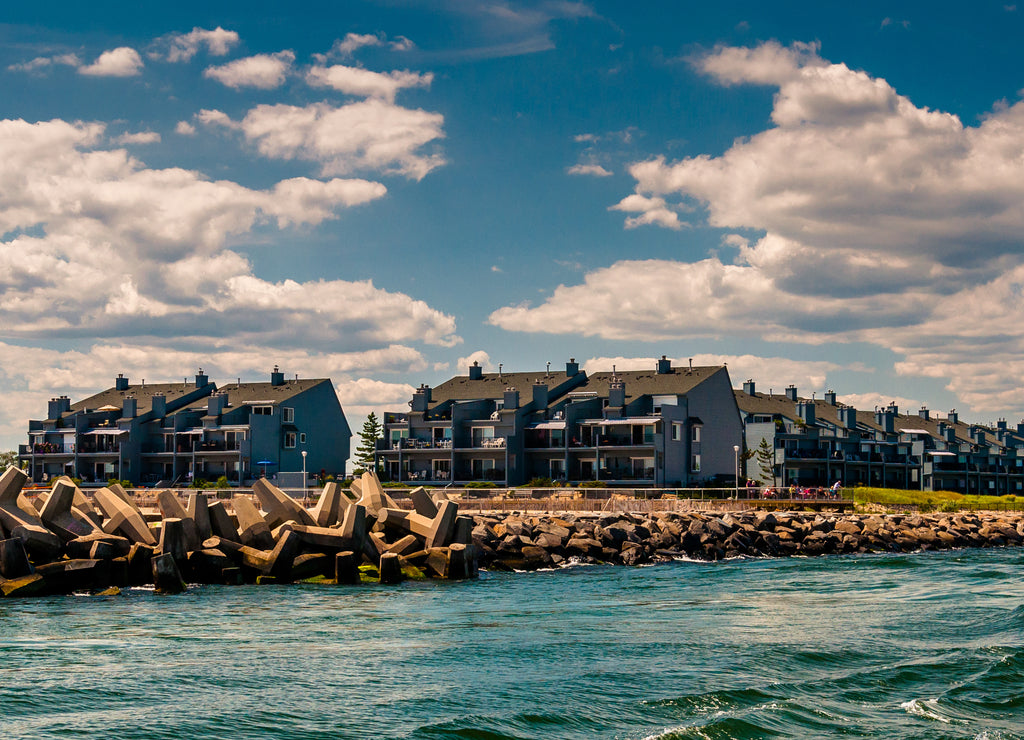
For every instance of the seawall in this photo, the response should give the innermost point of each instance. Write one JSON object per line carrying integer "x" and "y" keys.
{"x": 524, "y": 542}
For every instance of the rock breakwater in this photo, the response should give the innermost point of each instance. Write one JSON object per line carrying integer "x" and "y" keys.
{"x": 65, "y": 541}
{"x": 520, "y": 542}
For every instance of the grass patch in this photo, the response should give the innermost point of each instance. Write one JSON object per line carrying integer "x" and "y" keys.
{"x": 926, "y": 501}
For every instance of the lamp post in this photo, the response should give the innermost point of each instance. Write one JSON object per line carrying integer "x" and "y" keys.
{"x": 304, "y": 475}
{"x": 736, "y": 449}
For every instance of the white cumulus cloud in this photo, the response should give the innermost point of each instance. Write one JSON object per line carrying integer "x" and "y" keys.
{"x": 365, "y": 83}
{"x": 261, "y": 71}
{"x": 365, "y": 135}
{"x": 181, "y": 47}
{"x": 120, "y": 62}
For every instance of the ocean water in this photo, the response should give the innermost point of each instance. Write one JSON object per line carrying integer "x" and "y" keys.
{"x": 925, "y": 645}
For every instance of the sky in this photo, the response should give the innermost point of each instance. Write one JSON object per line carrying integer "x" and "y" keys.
{"x": 383, "y": 192}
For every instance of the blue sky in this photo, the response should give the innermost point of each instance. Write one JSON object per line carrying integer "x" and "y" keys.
{"x": 382, "y": 192}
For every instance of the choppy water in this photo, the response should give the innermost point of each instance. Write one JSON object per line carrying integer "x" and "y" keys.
{"x": 929, "y": 645}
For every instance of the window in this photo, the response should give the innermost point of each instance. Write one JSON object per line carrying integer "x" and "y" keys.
{"x": 262, "y": 410}
{"x": 482, "y": 433}
{"x": 289, "y": 440}
{"x": 677, "y": 432}
{"x": 696, "y": 432}
{"x": 481, "y": 468}
{"x": 302, "y": 438}
{"x": 557, "y": 469}
{"x": 287, "y": 415}
{"x": 658, "y": 401}
{"x": 695, "y": 464}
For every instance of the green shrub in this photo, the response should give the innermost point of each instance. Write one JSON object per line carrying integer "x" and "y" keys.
{"x": 480, "y": 484}
{"x": 223, "y": 482}
{"x": 538, "y": 483}
{"x": 122, "y": 483}
{"x": 593, "y": 484}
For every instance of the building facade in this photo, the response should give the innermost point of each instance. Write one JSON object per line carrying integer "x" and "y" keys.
{"x": 816, "y": 442}
{"x": 664, "y": 427}
{"x": 174, "y": 433}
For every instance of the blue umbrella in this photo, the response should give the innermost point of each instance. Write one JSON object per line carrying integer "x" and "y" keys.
{"x": 265, "y": 463}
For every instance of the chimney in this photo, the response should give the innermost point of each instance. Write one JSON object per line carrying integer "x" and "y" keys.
{"x": 572, "y": 368}
{"x": 421, "y": 399}
{"x": 129, "y": 407}
{"x": 886, "y": 419}
{"x": 276, "y": 376}
{"x": 848, "y": 417}
{"x": 830, "y": 397}
{"x": 791, "y": 393}
{"x": 1001, "y": 424}
{"x": 664, "y": 366}
{"x": 978, "y": 435}
{"x": 748, "y": 387}
{"x": 159, "y": 405}
{"x": 950, "y": 435}
{"x": 923, "y": 413}
{"x": 201, "y": 379}
{"x": 511, "y": 398}
{"x": 540, "y": 396}
{"x": 952, "y": 416}
{"x": 475, "y": 371}
{"x": 55, "y": 408}
{"x": 120, "y": 382}
{"x": 805, "y": 410}
{"x": 617, "y": 394}
{"x": 216, "y": 403}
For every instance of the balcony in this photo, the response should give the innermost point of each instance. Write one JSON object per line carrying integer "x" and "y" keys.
{"x": 411, "y": 443}
{"x": 632, "y": 474}
{"x": 46, "y": 448}
{"x": 218, "y": 445}
{"x": 99, "y": 448}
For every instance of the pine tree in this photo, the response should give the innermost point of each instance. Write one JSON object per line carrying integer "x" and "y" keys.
{"x": 766, "y": 461}
{"x": 372, "y": 431}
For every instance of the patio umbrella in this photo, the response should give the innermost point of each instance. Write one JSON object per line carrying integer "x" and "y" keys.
{"x": 265, "y": 463}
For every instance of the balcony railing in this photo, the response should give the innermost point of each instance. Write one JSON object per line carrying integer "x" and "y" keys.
{"x": 624, "y": 474}
{"x": 411, "y": 443}
{"x": 46, "y": 448}
{"x": 218, "y": 445}
{"x": 99, "y": 448}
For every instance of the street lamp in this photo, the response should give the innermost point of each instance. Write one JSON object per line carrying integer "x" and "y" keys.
{"x": 304, "y": 475}
{"x": 736, "y": 449}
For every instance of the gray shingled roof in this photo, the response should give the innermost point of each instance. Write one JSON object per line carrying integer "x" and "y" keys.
{"x": 493, "y": 385}
{"x": 242, "y": 393}
{"x": 639, "y": 383}
{"x": 143, "y": 395}
{"x": 779, "y": 404}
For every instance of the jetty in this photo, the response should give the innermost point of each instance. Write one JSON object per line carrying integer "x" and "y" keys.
{"x": 66, "y": 540}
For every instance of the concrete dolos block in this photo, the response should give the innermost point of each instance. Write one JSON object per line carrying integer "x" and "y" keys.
{"x": 326, "y": 512}
{"x": 253, "y": 529}
{"x": 13, "y": 559}
{"x": 171, "y": 508}
{"x": 280, "y": 507}
{"x": 60, "y": 514}
{"x": 166, "y": 576}
{"x": 123, "y": 516}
